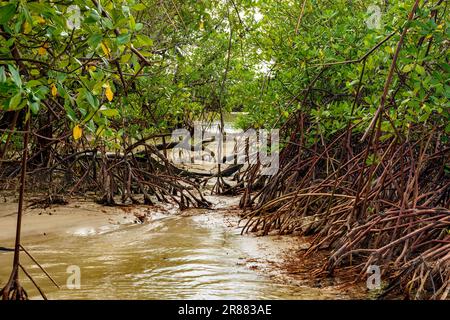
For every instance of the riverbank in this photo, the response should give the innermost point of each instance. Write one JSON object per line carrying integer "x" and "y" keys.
{"x": 79, "y": 216}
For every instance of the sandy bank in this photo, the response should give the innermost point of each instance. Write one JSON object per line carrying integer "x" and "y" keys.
{"x": 80, "y": 216}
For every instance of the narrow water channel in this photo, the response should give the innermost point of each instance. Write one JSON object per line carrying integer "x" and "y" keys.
{"x": 173, "y": 257}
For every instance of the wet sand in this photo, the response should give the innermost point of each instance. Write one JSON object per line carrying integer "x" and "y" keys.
{"x": 74, "y": 217}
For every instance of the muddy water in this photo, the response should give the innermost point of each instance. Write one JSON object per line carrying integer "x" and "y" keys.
{"x": 171, "y": 257}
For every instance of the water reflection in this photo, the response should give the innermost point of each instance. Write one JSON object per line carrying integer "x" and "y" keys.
{"x": 173, "y": 257}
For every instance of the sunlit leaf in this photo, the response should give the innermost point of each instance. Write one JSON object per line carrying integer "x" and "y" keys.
{"x": 54, "y": 90}
{"x": 77, "y": 132}
{"x": 105, "y": 49}
{"x": 26, "y": 27}
{"x": 42, "y": 51}
{"x": 15, "y": 101}
{"x": 108, "y": 92}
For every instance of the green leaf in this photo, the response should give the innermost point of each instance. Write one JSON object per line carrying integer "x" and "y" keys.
{"x": 123, "y": 38}
{"x": 420, "y": 70}
{"x": 34, "y": 107}
{"x": 33, "y": 83}
{"x": 139, "y": 7}
{"x": 92, "y": 100}
{"x": 71, "y": 114}
{"x": 35, "y": 72}
{"x": 2, "y": 74}
{"x": 408, "y": 68}
{"x": 126, "y": 11}
{"x": 93, "y": 17}
{"x": 447, "y": 128}
{"x": 38, "y": 8}
{"x": 95, "y": 40}
{"x": 15, "y": 101}
{"x": 144, "y": 40}
{"x": 15, "y": 76}
{"x": 109, "y": 112}
{"x": 138, "y": 26}
{"x": 6, "y": 12}
{"x": 108, "y": 23}
{"x": 132, "y": 22}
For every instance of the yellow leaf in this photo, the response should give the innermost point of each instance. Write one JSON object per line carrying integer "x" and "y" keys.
{"x": 54, "y": 90}
{"x": 92, "y": 68}
{"x": 42, "y": 51}
{"x": 26, "y": 27}
{"x": 108, "y": 92}
{"x": 105, "y": 49}
{"x": 77, "y": 132}
{"x": 40, "y": 20}
{"x": 202, "y": 25}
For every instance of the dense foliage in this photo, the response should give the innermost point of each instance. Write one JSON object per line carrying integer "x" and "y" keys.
{"x": 164, "y": 63}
